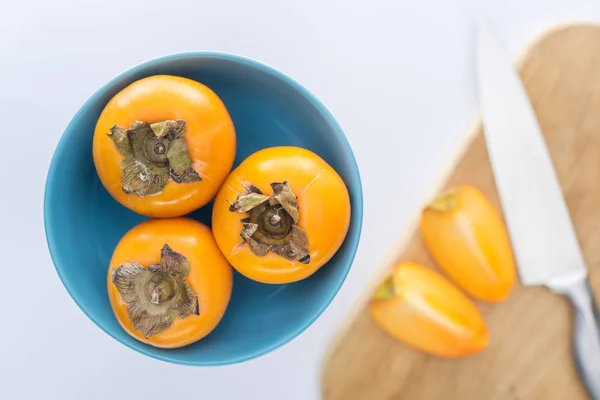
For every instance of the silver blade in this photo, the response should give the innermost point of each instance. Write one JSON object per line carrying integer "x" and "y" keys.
{"x": 537, "y": 217}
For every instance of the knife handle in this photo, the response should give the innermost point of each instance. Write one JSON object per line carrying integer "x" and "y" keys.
{"x": 587, "y": 334}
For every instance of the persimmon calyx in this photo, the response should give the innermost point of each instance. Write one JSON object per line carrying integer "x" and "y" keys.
{"x": 157, "y": 295}
{"x": 272, "y": 222}
{"x": 153, "y": 154}
{"x": 444, "y": 202}
{"x": 385, "y": 290}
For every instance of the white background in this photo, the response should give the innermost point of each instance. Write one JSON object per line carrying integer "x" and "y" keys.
{"x": 397, "y": 75}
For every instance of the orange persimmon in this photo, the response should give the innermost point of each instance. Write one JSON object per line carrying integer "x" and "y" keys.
{"x": 281, "y": 215}
{"x": 168, "y": 283}
{"x": 163, "y": 145}
{"x": 468, "y": 240}
{"x": 421, "y": 308}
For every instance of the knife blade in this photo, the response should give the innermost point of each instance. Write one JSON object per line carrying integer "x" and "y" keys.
{"x": 542, "y": 234}
{"x": 537, "y": 218}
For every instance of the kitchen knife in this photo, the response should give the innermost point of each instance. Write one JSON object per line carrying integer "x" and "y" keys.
{"x": 536, "y": 215}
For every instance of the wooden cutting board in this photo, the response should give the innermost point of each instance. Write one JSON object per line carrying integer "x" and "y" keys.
{"x": 529, "y": 356}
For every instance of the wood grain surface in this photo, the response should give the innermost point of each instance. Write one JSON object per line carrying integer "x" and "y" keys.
{"x": 529, "y": 356}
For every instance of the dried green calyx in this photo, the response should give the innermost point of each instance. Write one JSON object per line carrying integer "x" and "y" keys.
{"x": 444, "y": 202}
{"x": 157, "y": 295}
{"x": 272, "y": 222}
{"x": 153, "y": 154}
{"x": 385, "y": 290}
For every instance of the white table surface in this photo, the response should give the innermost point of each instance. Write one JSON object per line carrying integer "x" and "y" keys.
{"x": 398, "y": 76}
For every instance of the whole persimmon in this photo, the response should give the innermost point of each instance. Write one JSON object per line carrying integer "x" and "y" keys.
{"x": 163, "y": 145}
{"x": 281, "y": 215}
{"x": 168, "y": 283}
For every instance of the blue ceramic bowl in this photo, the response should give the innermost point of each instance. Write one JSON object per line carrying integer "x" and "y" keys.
{"x": 83, "y": 222}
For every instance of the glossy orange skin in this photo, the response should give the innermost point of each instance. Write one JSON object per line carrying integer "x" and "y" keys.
{"x": 210, "y": 138}
{"x": 323, "y": 203}
{"x": 211, "y": 277}
{"x": 430, "y": 314}
{"x": 470, "y": 243}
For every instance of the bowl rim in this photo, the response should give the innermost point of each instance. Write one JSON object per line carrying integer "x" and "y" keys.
{"x": 357, "y": 208}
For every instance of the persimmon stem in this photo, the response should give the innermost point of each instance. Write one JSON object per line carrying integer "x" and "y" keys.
{"x": 161, "y": 288}
{"x": 160, "y": 148}
{"x": 155, "y": 296}
{"x": 275, "y": 220}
